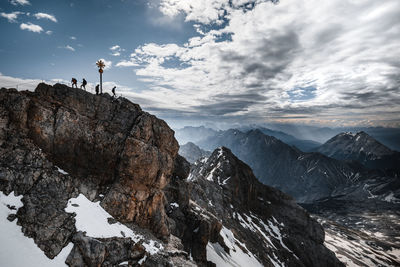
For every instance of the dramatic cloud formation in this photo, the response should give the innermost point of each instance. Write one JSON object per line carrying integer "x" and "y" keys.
{"x": 45, "y": 16}
{"x": 11, "y": 17}
{"x": 20, "y": 2}
{"x": 31, "y": 27}
{"x": 334, "y": 61}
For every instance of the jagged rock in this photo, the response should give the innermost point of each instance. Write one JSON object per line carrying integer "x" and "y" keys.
{"x": 270, "y": 224}
{"x": 57, "y": 143}
{"x": 104, "y": 251}
{"x": 25, "y": 170}
{"x": 112, "y": 143}
{"x": 87, "y": 251}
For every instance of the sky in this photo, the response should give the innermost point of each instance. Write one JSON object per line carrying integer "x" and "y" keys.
{"x": 328, "y": 63}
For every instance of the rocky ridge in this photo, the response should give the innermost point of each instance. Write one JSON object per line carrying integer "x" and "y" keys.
{"x": 305, "y": 176}
{"x": 270, "y": 224}
{"x": 63, "y": 148}
{"x": 361, "y": 147}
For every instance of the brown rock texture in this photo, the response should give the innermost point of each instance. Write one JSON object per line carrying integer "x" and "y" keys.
{"x": 128, "y": 153}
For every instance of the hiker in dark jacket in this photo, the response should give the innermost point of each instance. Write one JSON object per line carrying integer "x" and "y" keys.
{"x": 113, "y": 91}
{"x": 97, "y": 89}
{"x": 84, "y": 82}
{"x": 74, "y": 82}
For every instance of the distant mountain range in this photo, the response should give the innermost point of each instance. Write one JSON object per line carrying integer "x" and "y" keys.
{"x": 303, "y": 145}
{"x": 305, "y": 176}
{"x": 390, "y": 137}
{"x": 198, "y": 134}
{"x": 191, "y": 152}
{"x": 362, "y": 148}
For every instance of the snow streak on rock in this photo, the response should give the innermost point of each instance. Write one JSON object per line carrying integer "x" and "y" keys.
{"x": 236, "y": 256}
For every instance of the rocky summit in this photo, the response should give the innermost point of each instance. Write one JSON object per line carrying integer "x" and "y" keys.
{"x": 363, "y": 148}
{"x": 96, "y": 181}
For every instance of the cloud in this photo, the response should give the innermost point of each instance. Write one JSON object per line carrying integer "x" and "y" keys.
{"x": 45, "y": 16}
{"x": 126, "y": 63}
{"x": 68, "y": 47}
{"x": 18, "y": 83}
{"x": 31, "y": 27}
{"x": 72, "y": 38}
{"x": 300, "y": 59}
{"x": 116, "y": 50}
{"x": 49, "y": 32}
{"x": 20, "y": 2}
{"x": 11, "y": 17}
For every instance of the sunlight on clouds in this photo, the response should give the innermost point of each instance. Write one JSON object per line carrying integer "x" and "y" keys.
{"x": 11, "y": 17}
{"x": 45, "y": 16}
{"x": 264, "y": 52}
{"x": 31, "y": 27}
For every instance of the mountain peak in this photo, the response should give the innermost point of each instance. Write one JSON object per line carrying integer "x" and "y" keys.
{"x": 225, "y": 186}
{"x": 362, "y": 147}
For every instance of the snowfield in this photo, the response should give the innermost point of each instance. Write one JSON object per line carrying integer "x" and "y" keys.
{"x": 18, "y": 250}
{"x": 92, "y": 219}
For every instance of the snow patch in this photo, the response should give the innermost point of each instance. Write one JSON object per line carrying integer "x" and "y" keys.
{"x": 92, "y": 219}
{"x": 61, "y": 171}
{"x": 391, "y": 198}
{"x": 236, "y": 256}
{"x": 18, "y": 250}
{"x": 174, "y": 205}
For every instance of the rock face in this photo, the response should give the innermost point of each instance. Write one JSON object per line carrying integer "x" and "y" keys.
{"x": 59, "y": 142}
{"x": 268, "y": 223}
{"x": 192, "y": 153}
{"x": 114, "y": 144}
{"x": 363, "y": 148}
{"x": 59, "y": 146}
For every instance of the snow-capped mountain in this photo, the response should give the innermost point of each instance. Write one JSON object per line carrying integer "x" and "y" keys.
{"x": 363, "y": 148}
{"x": 305, "y": 176}
{"x": 263, "y": 219}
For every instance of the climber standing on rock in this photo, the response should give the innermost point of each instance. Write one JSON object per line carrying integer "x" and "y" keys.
{"x": 84, "y": 82}
{"x": 113, "y": 91}
{"x": 97, "y": 89}
{"x": 74, "y": 82}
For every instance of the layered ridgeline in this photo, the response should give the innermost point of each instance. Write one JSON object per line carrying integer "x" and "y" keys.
{"x": 199, "y": 134}
{"x": 96, "y": 181}
{"x": 192, "y": 153}
{"x": 363, "y": 148}
{"x": 307, "y": 176}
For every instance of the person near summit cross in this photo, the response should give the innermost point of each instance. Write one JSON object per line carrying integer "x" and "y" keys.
{"x": 97, "y": 89}
{"x": 113, "y": 91}
{"x": 74, "y": 82}
{"x": 84, "y": 82}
